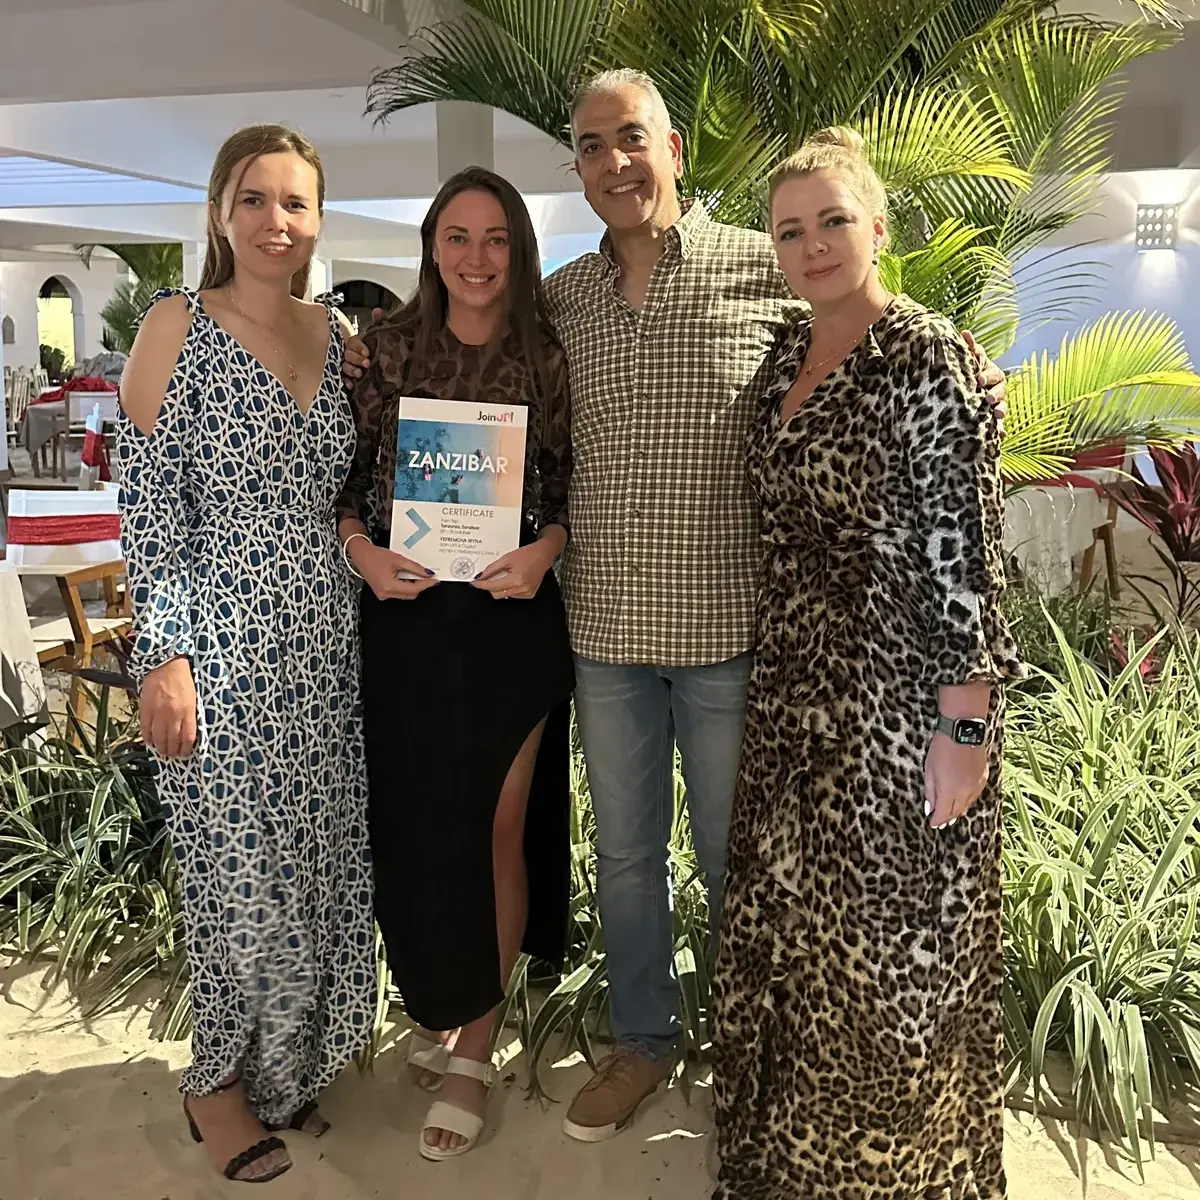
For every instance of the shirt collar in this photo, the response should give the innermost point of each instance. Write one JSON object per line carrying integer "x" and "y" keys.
{"x": 869, "y": 346}
{"x": 682, "y": 238}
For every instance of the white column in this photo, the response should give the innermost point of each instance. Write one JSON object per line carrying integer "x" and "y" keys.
{"x": 320, "y": 277}
{"x": 465, "y": 137}
{"x": 193, "y": 263}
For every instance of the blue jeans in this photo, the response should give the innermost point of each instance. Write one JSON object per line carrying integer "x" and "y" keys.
{"x": 629, "y": 721}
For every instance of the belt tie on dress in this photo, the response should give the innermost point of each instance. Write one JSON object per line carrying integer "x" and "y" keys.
{"x": 215, "y": 520}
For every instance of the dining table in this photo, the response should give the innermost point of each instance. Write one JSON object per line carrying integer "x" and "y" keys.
{"x": 43, "y": 420}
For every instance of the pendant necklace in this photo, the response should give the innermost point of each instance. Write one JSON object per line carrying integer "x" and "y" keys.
{"x": 237, "y": 308}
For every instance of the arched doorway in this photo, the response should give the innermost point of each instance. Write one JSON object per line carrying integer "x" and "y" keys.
{"x": 60, "y": 324}
{"x": 361, "y": 296}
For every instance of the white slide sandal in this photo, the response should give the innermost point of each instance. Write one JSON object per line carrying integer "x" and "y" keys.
{"x": 424, "y": 1054}
{"x": 451, "y": 1118}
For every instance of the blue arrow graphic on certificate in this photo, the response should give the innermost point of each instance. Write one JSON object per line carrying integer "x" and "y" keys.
{"x": 422, "y": 528}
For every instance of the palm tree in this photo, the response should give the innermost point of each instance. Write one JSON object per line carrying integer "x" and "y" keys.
{"x": 154, "y": 265}
{"x": 989, "y": 122}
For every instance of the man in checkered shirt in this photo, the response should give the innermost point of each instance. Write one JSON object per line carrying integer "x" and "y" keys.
{"x": 668, "y": 331}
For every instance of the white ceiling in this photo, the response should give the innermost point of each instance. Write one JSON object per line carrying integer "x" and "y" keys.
{"x": 96, "y": 49}
{"x": 111, "y": 112}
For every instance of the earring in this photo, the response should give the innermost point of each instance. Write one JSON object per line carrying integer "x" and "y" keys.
{"x": 875, "y": 258}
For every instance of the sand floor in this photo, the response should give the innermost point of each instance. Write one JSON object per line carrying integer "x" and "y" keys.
{"x": 92, "y": 1114}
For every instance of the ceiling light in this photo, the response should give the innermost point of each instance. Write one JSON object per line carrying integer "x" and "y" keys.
{"x": 1156, "y": 226}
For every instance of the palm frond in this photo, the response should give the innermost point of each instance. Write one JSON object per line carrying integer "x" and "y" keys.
{"x": 522, "y": 56}
{"x": 161, "y": 261}
{"x": 1125, "y": 378}
{"x": 123, "y": 312}
{"x": 851, "y": 53}
{"x": 1055, "y": 285}
{"x": 950, "y": 274}
{"x": 923, "y": 134}
{"x": 1158, "y": 10}
{"x": 1051, "y": 85}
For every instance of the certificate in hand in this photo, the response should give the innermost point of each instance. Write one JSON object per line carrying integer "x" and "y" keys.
{"x": 459, "y": 482}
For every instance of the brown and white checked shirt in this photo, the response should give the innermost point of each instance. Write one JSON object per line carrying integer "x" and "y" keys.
{"x": 663, "y": 561}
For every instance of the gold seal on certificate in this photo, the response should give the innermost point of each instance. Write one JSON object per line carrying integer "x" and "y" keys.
{"x": 460, "y": 471}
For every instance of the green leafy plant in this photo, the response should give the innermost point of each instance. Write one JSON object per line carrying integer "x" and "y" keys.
{"x": 154, "y": 265}
{"x": 1102, "y": 883}
{"x": 87, "y": 876}
{"x": 1041, "y": 622}
{"x": 123, "y": 312}
{"x": 1101, "y": 868}
{"x": 1170, "y": 509}
{"x": 989, "y": 121}
{"x": 53, "y": 361}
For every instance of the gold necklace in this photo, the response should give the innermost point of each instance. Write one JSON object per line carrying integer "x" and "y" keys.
{"x": 237, "y": 308}
{"x": 811, "y": 368}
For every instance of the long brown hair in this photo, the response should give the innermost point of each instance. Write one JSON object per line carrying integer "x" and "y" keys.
{"x": 425, "y": 311}
{"x": 251, "y": 143}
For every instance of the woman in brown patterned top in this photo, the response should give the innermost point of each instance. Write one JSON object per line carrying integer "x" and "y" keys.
{"x": 466, "y": 686}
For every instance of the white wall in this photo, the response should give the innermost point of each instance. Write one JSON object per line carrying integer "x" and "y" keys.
{"x": 20, "y": 283}
{"x": 1161, "y": 281}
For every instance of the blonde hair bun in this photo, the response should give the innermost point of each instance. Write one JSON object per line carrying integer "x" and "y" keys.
{"x": 849, "y": 140}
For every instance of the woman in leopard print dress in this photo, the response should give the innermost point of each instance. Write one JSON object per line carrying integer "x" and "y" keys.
{"x": 857, "y": 998}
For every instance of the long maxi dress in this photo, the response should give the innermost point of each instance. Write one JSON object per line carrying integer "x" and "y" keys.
{"x": 857, "y": 994}
{"x": 233, "y": 561}
{"x": 453, "y": 684}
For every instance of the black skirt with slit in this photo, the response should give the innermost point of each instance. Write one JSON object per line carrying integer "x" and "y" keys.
{"x": 453, "y": 684}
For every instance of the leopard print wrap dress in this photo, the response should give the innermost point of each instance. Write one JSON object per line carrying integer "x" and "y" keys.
{"x": 857, "y": 993}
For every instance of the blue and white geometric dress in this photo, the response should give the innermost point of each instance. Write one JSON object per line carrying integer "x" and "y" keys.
{"x": 233, "y": 561}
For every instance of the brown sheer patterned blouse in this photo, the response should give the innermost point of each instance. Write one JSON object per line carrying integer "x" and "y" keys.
{"x": 494, "y": 374}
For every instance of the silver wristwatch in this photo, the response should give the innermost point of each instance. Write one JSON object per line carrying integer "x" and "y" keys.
{"x": 964, "y": 731}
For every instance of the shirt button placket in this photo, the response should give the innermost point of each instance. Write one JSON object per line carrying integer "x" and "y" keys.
{"x": 635, "y": 489}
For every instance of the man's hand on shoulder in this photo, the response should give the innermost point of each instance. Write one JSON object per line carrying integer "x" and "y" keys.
{"x": 358, "y": 357}
{"x": 990, "y": 377}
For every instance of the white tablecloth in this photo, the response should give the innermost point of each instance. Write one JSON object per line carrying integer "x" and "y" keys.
{"x": 41, "y": 420}
{"x": 22, "y": 690}
{"x": 1046, "y": 527}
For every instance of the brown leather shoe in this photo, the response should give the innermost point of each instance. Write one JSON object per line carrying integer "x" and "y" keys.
{"x": 607, "y": 1102}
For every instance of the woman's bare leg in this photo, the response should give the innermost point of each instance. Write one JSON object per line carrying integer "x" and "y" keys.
{"x": 512, "y": 914}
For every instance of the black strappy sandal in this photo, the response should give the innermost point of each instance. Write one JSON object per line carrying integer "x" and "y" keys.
{"x": 307, "y": 1119}
{"x": 239, "y": 1162}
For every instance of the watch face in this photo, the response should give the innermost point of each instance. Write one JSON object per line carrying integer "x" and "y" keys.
{"x": 969, "y": 733}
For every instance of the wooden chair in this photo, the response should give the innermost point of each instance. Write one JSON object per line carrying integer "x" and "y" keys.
{"x": 1095, "y": 472}
{"x": 18, "y": 387}
{"x": 70, "y": 640}
{"x": 1102, "y": 535}
{"x": 67, "y": 643}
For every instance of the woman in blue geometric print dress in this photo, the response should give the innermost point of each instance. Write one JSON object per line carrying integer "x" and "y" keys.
{"x": 235, "y": 440}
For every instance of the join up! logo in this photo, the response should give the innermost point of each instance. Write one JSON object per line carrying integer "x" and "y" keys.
{"x": 504, "y": 418}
